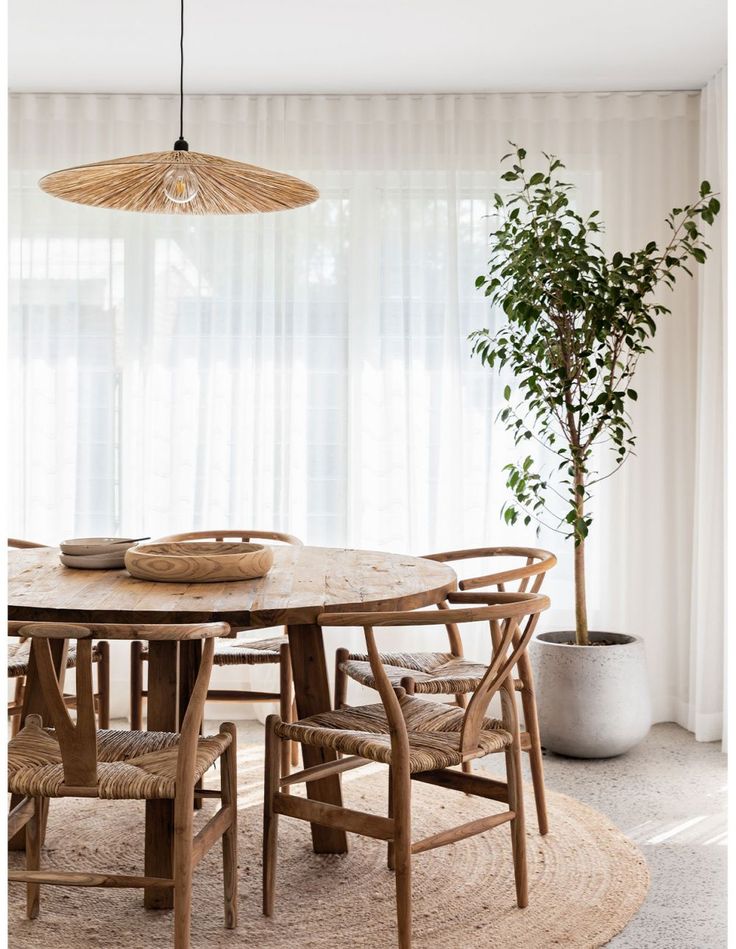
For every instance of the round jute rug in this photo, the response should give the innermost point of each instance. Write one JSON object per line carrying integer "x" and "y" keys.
{"x": 586, "y": 880}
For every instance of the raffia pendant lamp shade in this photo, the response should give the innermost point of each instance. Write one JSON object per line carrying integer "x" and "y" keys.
{"x": 135, "y": 183}
{"x": 179, "y": 181}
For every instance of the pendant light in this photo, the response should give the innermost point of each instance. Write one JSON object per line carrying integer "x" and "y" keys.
{"x": 179, "y": 181}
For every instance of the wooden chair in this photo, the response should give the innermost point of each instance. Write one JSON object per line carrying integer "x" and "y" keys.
{"x": 448, "y": 673}
{"x": 419, "y": 740}
{"x": 229, "y": 652}
{"x": 18, "y": 655}
{"x": 78, "y": 760}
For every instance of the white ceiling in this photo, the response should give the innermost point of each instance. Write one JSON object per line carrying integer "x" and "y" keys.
{"x": 365, "y": 46}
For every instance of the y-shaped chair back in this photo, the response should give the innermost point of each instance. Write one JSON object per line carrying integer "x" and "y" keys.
{"x": 512, "y": 618}
{"x": 528, "y": 576}
{"x": 246, "y": 536}
{"x": 274, "y": 652}
{"x": 78, "y": 739}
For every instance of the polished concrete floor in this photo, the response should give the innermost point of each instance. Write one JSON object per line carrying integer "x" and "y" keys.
{"x": 669, "y": 796}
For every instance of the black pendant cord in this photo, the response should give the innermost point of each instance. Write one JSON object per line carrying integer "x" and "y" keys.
{"x": 181, "y": 145}
{"x": 181, "y": 74}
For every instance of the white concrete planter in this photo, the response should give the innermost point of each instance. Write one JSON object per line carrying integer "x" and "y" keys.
{"x": 593, "y": 701}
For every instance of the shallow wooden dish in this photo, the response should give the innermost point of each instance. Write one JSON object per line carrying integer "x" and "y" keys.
{"x": 198, "y": 561}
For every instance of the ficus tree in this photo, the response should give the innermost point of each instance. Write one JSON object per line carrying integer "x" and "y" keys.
{"x": 577, "y": 321}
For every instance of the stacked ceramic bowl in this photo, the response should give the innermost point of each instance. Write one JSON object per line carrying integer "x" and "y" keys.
{"x": 96, "y": 553}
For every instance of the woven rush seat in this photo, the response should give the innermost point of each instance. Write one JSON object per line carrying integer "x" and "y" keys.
{"x": 433, "y": 731}
{"x": 434, "y": 673}
{"x": 131, "y": 765}
{"x": 19, "y": 654}
{"x": 243, "y": 652}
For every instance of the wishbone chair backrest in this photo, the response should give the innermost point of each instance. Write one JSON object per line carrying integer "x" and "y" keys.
{"x": 77, "y": 740}
{"x": 512, "y": 618}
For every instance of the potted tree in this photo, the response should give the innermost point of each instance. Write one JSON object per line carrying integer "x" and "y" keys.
{"x": 577, "y": 322}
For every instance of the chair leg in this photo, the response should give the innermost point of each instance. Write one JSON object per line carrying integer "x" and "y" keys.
{"x": 44, "y": 817}
{"x": 341, "y": 678}
{"x": 285, "y": 704}
{"x": 401, "y": 795}
{"x": 462, "y": 701}
{"x": 531, "y": 724}
{"x": 136, "y": 686}
{"x": 19, "y": 691}
{"x": 183, "y": 869}
{"x": 270, "y": 819}
{"x": 390, "y": 849}
{"x": 103, "y": 684}
{"x": 229, "y": 789}
{"x": 294, "y": 716}
{"x": 33, "y": 857}
{"x": 518, "y": 827}
{"x": 294, "y": 744}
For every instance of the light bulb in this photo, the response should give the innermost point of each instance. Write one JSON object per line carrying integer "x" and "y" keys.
{"x": 180, "y": 185}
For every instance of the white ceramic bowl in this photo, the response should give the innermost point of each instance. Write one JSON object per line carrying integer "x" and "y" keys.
{"x": 109, "y": 561}
{"x": 92, "y": 546}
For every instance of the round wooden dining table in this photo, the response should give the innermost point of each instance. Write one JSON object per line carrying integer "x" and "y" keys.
{"x": 302, "y": 583}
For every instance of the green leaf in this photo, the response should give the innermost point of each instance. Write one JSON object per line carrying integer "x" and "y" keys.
{"x": 507, "y": 393}
{"x": 632, "y": 394}
{"x": 704, "y": 188}
{"x": 537, "y": 178}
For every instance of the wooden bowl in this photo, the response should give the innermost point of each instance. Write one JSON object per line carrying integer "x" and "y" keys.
{"x": 198, "y": 561}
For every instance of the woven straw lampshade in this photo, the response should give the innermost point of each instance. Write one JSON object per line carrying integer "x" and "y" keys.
{"x": 136, "y": 183}
{"x": 179, "y": 181}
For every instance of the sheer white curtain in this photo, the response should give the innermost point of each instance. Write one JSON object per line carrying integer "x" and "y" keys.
{"x": 309, "y": 370}
{"x": 703, "y": 711}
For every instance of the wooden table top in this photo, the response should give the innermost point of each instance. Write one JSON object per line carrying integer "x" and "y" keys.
{"x": 303, "y": 582}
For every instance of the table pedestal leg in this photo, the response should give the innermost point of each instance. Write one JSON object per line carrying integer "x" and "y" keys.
{"x": 312, "y": 690}
{"x": 163, "y": 680}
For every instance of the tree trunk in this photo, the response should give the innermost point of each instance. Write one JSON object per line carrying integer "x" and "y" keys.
{"x": 581, "y": 609}
{"x": 581, "y": 612}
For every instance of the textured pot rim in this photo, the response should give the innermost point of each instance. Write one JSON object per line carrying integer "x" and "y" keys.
{"x": 633, "y": 640}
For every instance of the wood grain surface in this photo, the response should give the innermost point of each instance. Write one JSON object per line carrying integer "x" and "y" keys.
{"x": 302, "y": 583}
{"x": 199, "y": 561}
